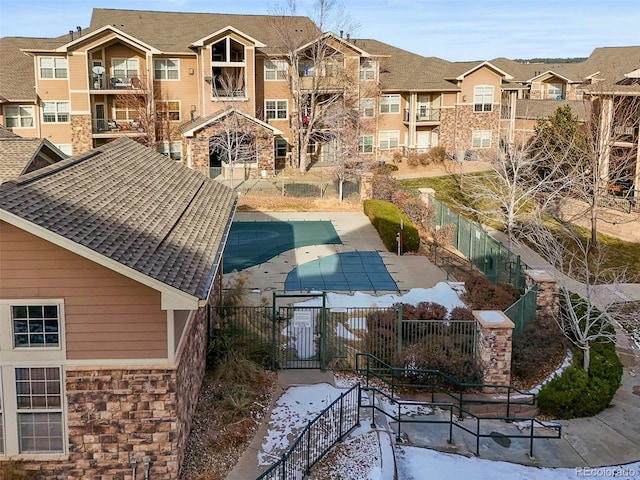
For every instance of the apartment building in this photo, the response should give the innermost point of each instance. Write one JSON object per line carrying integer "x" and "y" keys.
{"x": 197, "y": 78}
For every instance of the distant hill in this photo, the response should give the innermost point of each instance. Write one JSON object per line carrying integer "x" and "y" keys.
{"x": 550, "y": 60}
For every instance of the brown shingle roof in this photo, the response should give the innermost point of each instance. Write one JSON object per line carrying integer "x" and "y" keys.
{"x": 534, "y": 109}
{"x": 132, "y": 205}
{"x": 403, "y": 70}
{"x": 17, "y": 153}
{"x": 17, "y": 77}
{"x": 174, "y": 31}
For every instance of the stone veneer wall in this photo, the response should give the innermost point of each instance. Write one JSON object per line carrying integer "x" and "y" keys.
{"x": 493, "y": 345}
{"x": 548, "y": 299}
{"x": 200, "y": 146}
{"x": 118, "y": 413}
{"x": 81, "y": 136}
{"x": 457, "y": 124}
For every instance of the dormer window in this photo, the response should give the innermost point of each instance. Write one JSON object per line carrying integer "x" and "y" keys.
{"x": 227, "y": 50}
{"x": 228, "y": 69}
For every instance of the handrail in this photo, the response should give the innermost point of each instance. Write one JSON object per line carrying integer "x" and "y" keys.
{"x": 451, "y": 421}
{"x": 400, "y": 372}
{"x": 304, "y": 456}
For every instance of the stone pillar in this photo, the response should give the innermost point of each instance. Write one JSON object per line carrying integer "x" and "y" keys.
{"x": 366, "y": 189}
{"x": 493, "y": 346}
{"x": 425, "y": 193}
{"x": 548, "y": 300}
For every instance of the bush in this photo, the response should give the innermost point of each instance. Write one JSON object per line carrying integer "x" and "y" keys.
{"x": 412, "y": 159}
{"x": 386, "y": 169}
{"x": 437, "y": 154}
{"x": 462, "y": 368}
{"x": 383, "y": 187}
{"x": 397, "y": 157}
{"x": 424, "y": 311}
{"x": 424, "y": 159}
{"x": 419, "y": 213}
{"x": 385, "y": 217}
{"x": 482, "y": 294}
{"x": 576, "y": 394}
{"x": 539, "y": 341}
{"x": 461, "y": 313}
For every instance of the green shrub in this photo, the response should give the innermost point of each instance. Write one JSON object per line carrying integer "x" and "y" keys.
{"x": 386, "y": 217}
{"x": 576, "y": 394}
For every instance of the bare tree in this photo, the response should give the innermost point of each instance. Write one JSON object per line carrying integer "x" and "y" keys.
{"x": 587, "y": 287}
{"x": 145, "y": 108}
{"x": 511, "y": 191}
{"x": 595, "y": 159}
{"x": 319, "y": 79}
{"x": 237, "y": 137}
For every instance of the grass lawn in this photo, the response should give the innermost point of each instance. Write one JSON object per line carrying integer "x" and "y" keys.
{"x": 620, "y": 253}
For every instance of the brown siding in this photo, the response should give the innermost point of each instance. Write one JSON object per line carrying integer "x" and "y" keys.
{"x": 107, "y": 315}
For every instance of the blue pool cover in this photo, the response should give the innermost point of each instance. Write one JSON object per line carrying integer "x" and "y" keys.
{"x": 348, "y": 271}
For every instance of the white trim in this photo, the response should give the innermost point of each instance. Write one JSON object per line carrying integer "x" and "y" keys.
{"x": 191, "y": 132}
{"x": 485, "y": 64}
{"x": 550, "y": 72}
{"x": 171, "y": 337}
{"x": 228, "y": 28}
{"x": 171, "y": 297}
{"x": 177, "y": 60}
{"x": 119, "y": 34}
{"x": 275, "y": 109}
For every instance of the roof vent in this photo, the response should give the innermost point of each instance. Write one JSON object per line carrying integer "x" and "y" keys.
{"x": 71, "y": 34}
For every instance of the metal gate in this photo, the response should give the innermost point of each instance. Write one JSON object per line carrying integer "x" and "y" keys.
{"x": 301, "y": 338}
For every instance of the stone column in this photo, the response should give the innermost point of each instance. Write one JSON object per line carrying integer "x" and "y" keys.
{"x": 425, "y": 193}
{"x": 548, "y": 299}
{"x": 366, "y": 192}
{"x": 494, "y": 346}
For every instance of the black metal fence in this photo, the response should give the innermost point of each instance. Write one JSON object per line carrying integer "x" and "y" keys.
{"x": 328, "y": 428}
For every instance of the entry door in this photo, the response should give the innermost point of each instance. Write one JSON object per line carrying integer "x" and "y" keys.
{"x": 100, "y": 121}
{"x": 423, "y": 141}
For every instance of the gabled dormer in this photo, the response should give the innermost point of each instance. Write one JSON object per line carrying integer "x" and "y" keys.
{"x": 228, "y": 59}
{"x": 549, "y": 85}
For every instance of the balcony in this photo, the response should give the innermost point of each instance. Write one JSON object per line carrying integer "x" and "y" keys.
{"x": 423, "y": 115}
{"x": 109, "y": 128}
{"x": 106, "y": 82}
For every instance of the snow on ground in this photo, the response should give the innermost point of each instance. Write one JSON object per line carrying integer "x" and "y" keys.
{"x": 444, "y": 293}
{"x": 413, "y": 462}
{"x": 359, "y": 456}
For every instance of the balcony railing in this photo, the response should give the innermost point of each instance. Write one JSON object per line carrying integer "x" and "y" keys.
{"x": 108, "y": 82}
{"x": 116, "y": 127}
{"x": 423, "y": 115}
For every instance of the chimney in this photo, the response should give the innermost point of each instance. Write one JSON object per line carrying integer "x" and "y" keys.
{"x": 71, "y": 34}
{"x": 79, "y": 29}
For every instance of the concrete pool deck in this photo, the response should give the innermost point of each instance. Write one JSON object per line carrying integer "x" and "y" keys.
{"x": 357, "y": 234}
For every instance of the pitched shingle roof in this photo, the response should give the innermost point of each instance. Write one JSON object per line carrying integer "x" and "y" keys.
{"x": 174, "y": 31}
{"x": 403, "y": 70}
{"x": 534, "y": 109}
{"x": 17, "y": 76}
{"x": 132, "y": 205}
{"x": 17, "y": 153}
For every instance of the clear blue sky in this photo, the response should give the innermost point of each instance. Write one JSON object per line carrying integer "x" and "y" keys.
{"x": 451, "y": 29}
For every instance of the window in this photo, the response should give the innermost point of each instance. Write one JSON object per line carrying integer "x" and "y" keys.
{"x": 281, "y": 147}
{"x": 365, "y": 144}
{"x": 172, "y": 150}
{"x": 227, "y": 50}
{"x": 367, "y": 69}
{"x": 367, "y": 107}
{"x": 166, "y": 69}
{"x": 306, "y": 69}
{"x": 554, "y": 91}
{"x": 126, "y": 112}
{"x": 125, "y": 68}
{"x": 53, "y": 67}
{"x": 481, "y": 139}
{"x": 65, "y": 148}
{"x": 168, "y": 110}
{"x": 39, "y": 402}
{"x": 390, "y": 104}
{"x": 389, "y": 139}
{"x": 482, "y": 98}
{"x": 276, "y": 109}
{"x": 55, "y": 112}
{"x": 311, "y": 147}
{"x": 275, "y": 70}
{"x": 35, "y": 326}
{"x": 18, "y": 116}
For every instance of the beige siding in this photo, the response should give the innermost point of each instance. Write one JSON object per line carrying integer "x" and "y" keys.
{"x": 107, "y": 315}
